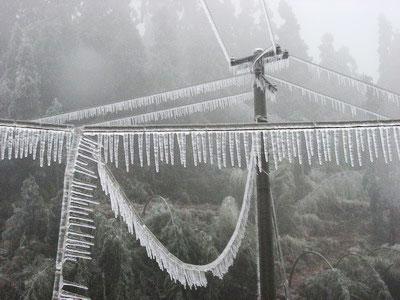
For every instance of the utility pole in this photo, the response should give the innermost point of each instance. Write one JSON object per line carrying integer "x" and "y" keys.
{"x": 264, "y": 201}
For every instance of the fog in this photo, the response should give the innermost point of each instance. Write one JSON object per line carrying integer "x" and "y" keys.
{"x": 167, "y": 205}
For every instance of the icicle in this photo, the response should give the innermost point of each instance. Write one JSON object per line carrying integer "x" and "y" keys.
{"x": 28, "y": 138}
{"x": 246, "y": 146}
{"x": 344, "y": 140}
{"x": 383, "y": 142}
{"x": 257, "y": 139}
{"x": 358, "y": 146}
{"x": 166, "y": 148}
{"x": 21, "y": 143}
{"x": 211, "y": 147}
{"x": 16, "y": 142}
{"x": 389, "y": 145}
{"x": 328, "y": 144}
{"x": 294, "y": 145}
{"x": 370, "y": 150}
{"x": 35, "y": 143}
{"x": 140, "y": 148}
{"x": 3, "y": 134}
{"x": 361, "y": 134}
{"x": 182, "y": 147}
{"x": 111, "y": 147}
{"x": 396, "y": 140}
{"x": 283, "y": 143}
{"x": 172, "y": 147}
{"x": 105, "y": 147}
{"x": 10, "y": 142}
{"x": 161, "y": 144}
{"x": 317, "y": 132}
{"x": 299, "y": 154}
{"x": 49, "y": 146}
{"x": 219, "y": 149}
{"x": 116, "y": 149}
{"x": 351, "y": 152}
{"x": 375, "y": 143}
{"x": 156, "y": 148}
{"x": 231, "y": 141}
{"x": 204, "y": 146}
{"x": 42, "y": 147}
{"x": 198, "y": 147}
{"x": 288, "y": 145}
{"x": 194, "y": 148}
{"x": 274, "y": 156}
{"x": 55, "y": 146}
{"x": 265, "y": 141}
{"x": 323, "y": 140}
{"x": 306, "y": 139}
{"x": 132, "y": 147}
{"x": 278, "y": 145}
{"x": 125, "y": 142}
{"x": 60, "y": 146}
{"x": 238, "y": 150}
{"x": 335, "y": 144}
{"x": 148, "y": 145}
{"x": 223, "y": 145}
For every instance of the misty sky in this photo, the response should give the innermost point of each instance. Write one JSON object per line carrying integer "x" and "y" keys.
{"x": 354, "y": 23}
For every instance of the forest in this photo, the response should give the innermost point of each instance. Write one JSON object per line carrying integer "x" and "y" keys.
{"x": 62, "y": 56}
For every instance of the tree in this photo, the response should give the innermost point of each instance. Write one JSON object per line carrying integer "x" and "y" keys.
{"x": 339, "y": 60}
{"x": 29, "y": 221}
{"x": 289, "y": 32}
{"x": 26, "y": 93}
{"x": 385, "y": 49}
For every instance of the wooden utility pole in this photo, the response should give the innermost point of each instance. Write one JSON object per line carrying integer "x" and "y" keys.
{"x": 264, "y": 205}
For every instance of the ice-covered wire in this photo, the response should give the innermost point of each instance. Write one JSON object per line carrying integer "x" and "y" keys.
{"x": 215, "y": 30}
{"x": 387, "y": 92}
{"x": 268, "y": 20}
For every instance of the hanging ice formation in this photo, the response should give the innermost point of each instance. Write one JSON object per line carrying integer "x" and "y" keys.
{"x": 76, "y": 237}
{"x": 348, "y": 81}
{"x": 322, "y": 99}
{"x": 181, "y": 111}
{"x": 45, "y": 143}
{"x": 131, "y": 105}
{"x": 231, "y": 147}
{"x": 189, "y": 275}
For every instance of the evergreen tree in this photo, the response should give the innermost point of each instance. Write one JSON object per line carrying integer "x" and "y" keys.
{"x": 26, "y": 93}
{"x": 339, "y": 60}
{"x": 289, "y": 32}
{"x": 385, "y": 49}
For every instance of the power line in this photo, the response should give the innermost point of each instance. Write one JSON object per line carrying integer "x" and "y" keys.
{"x": 394, "y": 96}
{"x": 215, "y": 30}
{"x": 267, "y": 18}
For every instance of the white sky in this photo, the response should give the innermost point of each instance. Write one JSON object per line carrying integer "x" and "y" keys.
{"x": 354, "y": 23}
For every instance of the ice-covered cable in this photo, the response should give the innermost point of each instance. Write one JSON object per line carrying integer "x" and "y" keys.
{"x": 350, "y": 81}
{"x": 215, "y": 30}
{"x": 180, "y": 111}
{"x": 189, "y": 275}
{"x": 131, "y": 105}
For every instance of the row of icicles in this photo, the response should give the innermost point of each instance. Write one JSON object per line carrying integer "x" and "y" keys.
{"x": 242, "y": 80}
{"x": 349, "y": 146}
{"x": 44, "y": 144}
